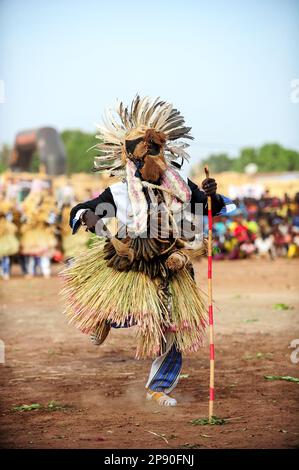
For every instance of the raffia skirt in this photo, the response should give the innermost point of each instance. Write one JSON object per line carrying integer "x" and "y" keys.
{"x": 73, "y": 245}
{"x": 38, "y": 242}
{"x": 9, "y": 245}
{"x": 96, "y": 294}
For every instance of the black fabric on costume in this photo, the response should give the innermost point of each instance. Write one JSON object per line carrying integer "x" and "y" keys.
{"x": 198, "y": 196}
{"x": 104, "y": 197}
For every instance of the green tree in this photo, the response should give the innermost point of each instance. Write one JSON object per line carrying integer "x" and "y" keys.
{"x": 4, "y": 157}
{"x": 76, "y": 145}
{"x": 270, "y": 157}
{"x": 219, "y": 162}
{"x": 273, "y": 157}
{"x": 247, "y": 155}
{"x": 293, "y": 160}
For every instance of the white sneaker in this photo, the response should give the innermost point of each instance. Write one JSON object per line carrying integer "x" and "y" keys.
{"x": 161, "y": 398}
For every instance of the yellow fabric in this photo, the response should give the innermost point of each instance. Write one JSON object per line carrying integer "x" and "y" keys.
{"x": 252, "y": 226}
{"x": 230, "y": 244}
{"x": 158, "y": 395}
{"x": 9, "y": 244}
{"x": 293, "y": 251}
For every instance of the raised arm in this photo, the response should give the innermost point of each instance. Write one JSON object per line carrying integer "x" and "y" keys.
{"x": 209, "y": 187}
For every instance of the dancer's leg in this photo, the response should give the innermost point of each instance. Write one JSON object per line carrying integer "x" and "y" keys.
{"x": 5, "y": 264}
{"x": 45, "y": 266}
{"x": 164, "y": 374}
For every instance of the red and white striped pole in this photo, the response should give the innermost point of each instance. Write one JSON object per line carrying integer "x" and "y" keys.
{"x": 211, "y": 319}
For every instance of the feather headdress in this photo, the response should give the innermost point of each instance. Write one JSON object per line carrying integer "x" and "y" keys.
{"x": 143, "y": 114}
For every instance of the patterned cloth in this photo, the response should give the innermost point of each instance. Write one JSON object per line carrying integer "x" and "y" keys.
{"x": 5, "y": 265}
{"x": 177, "y": 194}
{"x": 165, "y": 370}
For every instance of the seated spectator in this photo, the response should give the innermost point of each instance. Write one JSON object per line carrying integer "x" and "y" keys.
{"x": 293, "y": 249}
{"x": 265, "y": 246}
{"x": 248, "y": 248}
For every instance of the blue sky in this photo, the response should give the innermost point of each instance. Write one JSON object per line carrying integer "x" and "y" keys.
{"x": 226, "y": 64}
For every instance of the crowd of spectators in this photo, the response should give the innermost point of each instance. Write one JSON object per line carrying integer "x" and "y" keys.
{"x": 34, "y": 228}
{"x": 265, "y": 227}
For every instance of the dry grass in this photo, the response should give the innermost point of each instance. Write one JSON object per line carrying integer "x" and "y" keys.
{"x": 96, "y": 294}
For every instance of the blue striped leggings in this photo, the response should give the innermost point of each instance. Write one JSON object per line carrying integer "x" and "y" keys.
{"x": 165, "y": 370}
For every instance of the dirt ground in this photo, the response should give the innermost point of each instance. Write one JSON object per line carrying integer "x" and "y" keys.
{"x": 101, "y": 389}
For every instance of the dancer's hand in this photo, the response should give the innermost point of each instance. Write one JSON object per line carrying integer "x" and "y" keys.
{"x": 90, "y": 219}
{"x": 209, "y": 186}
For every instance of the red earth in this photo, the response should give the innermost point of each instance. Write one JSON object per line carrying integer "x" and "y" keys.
{"x": 99, "y": 391}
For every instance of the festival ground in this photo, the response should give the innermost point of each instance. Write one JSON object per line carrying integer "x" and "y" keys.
{"x": 101, "y": 389}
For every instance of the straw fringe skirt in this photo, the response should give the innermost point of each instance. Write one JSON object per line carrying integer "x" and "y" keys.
{"x": 9, "y": 245}
{"x": 96, "y": 294}
{"x": 38, "y": 242}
